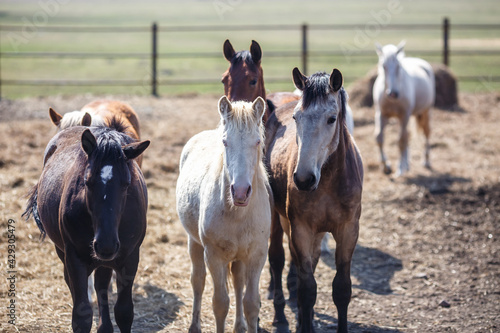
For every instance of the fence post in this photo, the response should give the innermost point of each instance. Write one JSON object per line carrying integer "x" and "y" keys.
{"x": 304, "y": 49}
{"x": 446, "y": 50}
{"x": 154, "y": 59}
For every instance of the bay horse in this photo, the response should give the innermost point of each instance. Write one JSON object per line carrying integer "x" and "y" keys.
{"x": 316, "y": 176}
{"x": 404, "y": 87}
{"x": 224, "y": 204}
{"x": 91, "y": 200}
{"x": 244, "y": 79}
{"x": 101, "y": 113}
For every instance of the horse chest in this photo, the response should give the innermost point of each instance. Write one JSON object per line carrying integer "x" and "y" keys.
{"x": 233, "y": 235}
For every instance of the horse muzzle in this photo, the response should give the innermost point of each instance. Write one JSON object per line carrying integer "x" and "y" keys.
{"x": 106, "y": 250}
{"x": 241, "y": 194}
{"x": 393, "y": 93}
{"x": 305, "y": 182}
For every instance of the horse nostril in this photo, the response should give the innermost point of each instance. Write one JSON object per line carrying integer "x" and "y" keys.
{"x": 312, "y": 180}
{"x": 249, "y": 190}
{"x": 393, "y": 93}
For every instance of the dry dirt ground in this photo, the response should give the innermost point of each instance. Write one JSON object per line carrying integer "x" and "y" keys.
{"x": 428, "y": 253}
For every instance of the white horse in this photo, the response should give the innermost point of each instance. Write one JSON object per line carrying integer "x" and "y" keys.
{"x": 223, "y": 202}
{"x": 404, "y": 87}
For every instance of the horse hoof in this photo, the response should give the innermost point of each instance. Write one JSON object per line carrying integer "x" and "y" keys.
{"x": 292, "y": 302}
{"x": 387, "y": 169}
{"x": 280, "y": 328}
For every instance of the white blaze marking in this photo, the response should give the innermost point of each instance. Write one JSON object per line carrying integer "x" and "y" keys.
{"x": 106, "y": 173}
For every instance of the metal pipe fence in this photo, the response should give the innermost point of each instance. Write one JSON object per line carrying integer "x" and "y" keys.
{"x": 304, "y": 53}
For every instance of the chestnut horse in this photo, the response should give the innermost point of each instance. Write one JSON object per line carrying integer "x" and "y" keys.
{"x": 101, "y": 113}
{"x": 91, "y": 201}
{"x": 316, "y": 176}
{"x": 244, "y": 79}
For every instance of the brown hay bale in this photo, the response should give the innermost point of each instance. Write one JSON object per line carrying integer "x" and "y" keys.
{"x": 360, "y": 92}
{"x": 446, "y": 87}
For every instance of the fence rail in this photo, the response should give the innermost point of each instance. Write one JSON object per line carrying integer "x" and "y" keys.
{"x": 304, "y": 53}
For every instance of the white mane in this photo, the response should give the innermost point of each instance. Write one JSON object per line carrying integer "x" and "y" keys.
{"x": 74, "y": 118}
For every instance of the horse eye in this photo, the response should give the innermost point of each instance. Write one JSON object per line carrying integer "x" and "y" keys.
{"x": 294, "y": 118}
{"x": 258, "y": 143}
{"x": 331, "y": 120}
{"x": 253, "y": 82}
{"x": 224, "y": 142}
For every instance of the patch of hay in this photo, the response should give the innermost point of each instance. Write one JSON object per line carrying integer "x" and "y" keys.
{"x": 360, "y": 92}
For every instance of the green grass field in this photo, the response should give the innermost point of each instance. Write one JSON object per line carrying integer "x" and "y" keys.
{"x": 370, "y": 18}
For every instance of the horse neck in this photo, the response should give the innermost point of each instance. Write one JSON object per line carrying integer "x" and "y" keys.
{"x": 262, "y": 89}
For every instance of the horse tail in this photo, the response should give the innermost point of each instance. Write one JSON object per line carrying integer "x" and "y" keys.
{"x": 32, "y": 208}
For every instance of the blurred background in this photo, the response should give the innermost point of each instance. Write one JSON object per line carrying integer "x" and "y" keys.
{"x": 50, "y": 47}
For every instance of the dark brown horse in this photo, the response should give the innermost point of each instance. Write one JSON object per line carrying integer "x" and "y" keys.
{"x": 91, "y": 201}
{"x": 316, "y": 175}
{"x": 244, "y": 79}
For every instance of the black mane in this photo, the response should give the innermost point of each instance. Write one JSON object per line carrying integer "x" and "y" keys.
{"x": 110, "y": 141}
{"x": 243, "y": 57}
{"x": 317, "y": 88}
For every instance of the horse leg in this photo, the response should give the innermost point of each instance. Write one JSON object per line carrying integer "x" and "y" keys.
{"x": 76, "y": 275}
{"x": 423, "y": 121}
{"x": 301, "y": 245}
{"x": 198, "y": 274}
{"x": 251, "y": 301}
{"x": 275, "y": 252}
{"x": 220, "y": 300}
{"x": 346, "y": 237}
{"x": 380, "y": 123}
{"x": 102, "y": 277}
{"x": 277, "y": 262}
{"x": 124, "y": 307}
{"x": 404, "y": 163}
{"x": 291, "y": 285}
{"x": 238, "y": 272}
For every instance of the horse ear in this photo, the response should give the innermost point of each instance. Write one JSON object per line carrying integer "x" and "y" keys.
{"x": 378, "y": 49}
{"x": 401, "y": 46}
{"x": 228, "y": 50}
{"x": 55, "y": 117}
{"x": 225, "y": 107}
{"x": 299, "y": 79}
{"x": 259, "y": 106}
{"x": 133, "y": 150}
{"x": 89, "y": 142}
{"x": 336, "y": 80}
{"x": 256, "y": 52}
{"x": 86, "y": 120}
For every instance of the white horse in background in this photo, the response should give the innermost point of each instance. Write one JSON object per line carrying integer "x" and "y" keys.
{"x": 223, "y": 202}
{"x": 404, "y": 87}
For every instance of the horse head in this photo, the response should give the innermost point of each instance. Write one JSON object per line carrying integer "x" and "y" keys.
{"x": 389, "y": 57}
{"x": 242, "y": 137}
{"x": 244, "y": 79}
{"x": 320, "y": 119}
{"x": 107, "y": 177}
